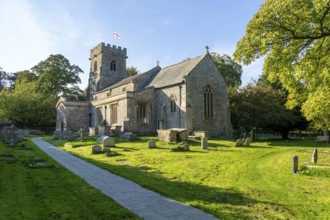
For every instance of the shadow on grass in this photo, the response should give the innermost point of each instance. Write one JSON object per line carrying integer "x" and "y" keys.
{"x": 233, "y": 203}
{"x": 294, "y": 143}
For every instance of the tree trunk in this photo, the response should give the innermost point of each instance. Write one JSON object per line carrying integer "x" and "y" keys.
{"x": 325, "y": 131}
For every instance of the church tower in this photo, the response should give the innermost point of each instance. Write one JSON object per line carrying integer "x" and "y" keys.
{"x": 108, "y": 66}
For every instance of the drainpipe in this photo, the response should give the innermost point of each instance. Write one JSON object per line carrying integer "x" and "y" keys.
{"x": 180, "y": 92}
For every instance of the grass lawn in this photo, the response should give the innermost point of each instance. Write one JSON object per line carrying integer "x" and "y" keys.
{"x": 253, "y": 182}
{"x": 33, "y": 186}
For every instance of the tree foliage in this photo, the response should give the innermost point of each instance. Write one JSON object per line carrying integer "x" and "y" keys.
{"x": 294, "y": 35}
{"x": 55, "y": 74}
{"x": 25, "y": 106}
{"x": 261, "y": 105}
{"x": 31, "y": 99}
{"x": 229, "y": 69}
{"x": 132, "y": 71}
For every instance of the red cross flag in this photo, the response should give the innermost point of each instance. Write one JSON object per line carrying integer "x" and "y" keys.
{"x": 116, "y": 34}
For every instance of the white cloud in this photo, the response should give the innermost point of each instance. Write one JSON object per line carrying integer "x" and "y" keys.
{"x": 23, "y": 41}
{"x": 252, "y": 71}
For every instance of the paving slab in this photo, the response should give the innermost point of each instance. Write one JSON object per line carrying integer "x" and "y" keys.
{"x": 143, "y": 202}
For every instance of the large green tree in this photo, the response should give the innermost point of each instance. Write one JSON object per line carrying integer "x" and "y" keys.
{"x": 24, "y": 105}
{"x": 229, "y": 69}
{"x": 262, "y": 105}
{"x": 31, "y": 99}
{"x": 294, "y": 37}
{"x": 56, "y": 74}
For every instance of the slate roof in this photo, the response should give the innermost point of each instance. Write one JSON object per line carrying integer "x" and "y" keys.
{"x": 160, "y": 78}
{"x": 130, "y": 79}
{"x": 174, "y": 74}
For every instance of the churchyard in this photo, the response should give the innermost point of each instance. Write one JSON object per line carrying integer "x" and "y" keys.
{"x": 33, "y": 186}
{"x": 243, "y": 182}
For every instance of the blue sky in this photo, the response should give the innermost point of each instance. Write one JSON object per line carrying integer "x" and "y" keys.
{"x": 165, "y": 30}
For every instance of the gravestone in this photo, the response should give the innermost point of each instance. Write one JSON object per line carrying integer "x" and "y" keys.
{"x": 129, "y": 136}
{"x": 107, "y": 151}
{"x": 247, "y": 141}
{"x": 186, "y": 146}
{"x": 81, "y": 133}
{"x": 108, "y": 141}
{"x": 96, "y": 149}
{"x": 295, "y": 165}
{"x": 238, "y": 142}
{"x": 100, "y": 139}
{"x": 204, "y": 144}
{"x": 152, "y": 144}
{"x": 314, "y": 156}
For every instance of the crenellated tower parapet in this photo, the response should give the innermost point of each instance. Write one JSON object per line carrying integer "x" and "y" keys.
{"x": 108, "y": 66}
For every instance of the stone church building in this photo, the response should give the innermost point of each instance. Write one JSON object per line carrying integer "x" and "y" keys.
{"x": 191, "y": 95}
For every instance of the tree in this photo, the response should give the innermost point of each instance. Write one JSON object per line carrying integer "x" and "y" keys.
{"x": 55, "y": 74}
{"x": 294, "y": 36}
{"x": 261, "y": 105}
{"x": 32, "y": 98}
{"x": 132, "y": 71}
{"x": 25, "y": 106}
{"x": 74, "y": 93}
{"x": 229, "y": 69}
{"x": 2, "y": 75}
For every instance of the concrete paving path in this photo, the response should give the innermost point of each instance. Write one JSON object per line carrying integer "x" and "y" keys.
{"x": 145, "y": 203}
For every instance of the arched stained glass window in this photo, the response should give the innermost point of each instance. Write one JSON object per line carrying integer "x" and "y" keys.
{"x": 208, "y": 103}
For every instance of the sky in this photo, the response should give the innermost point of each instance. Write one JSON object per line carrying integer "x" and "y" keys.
{"x": 167, "y": 31}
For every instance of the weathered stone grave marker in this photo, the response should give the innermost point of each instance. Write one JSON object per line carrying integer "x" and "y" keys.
{"x": 204, "y": 143}
{"x": 108, "y": 141}
{"x": 152, "y": 144}
{"x": 295, "y": 165}
{"x": 315, "y": 156}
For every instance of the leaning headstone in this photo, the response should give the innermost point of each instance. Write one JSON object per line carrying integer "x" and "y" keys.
{"x": 96, "y": 149}
{"x": 151, "y": 143}
{"x": 247, "y": 141}
{"x": 238, "y": 143}
{"x": 295, "y": 165}
{"x": 107, "y": 151}
{"x": 186, "y": 146}
{"x": 129, "y": 136}
{"x": 100, "y": 139}
{"x": 108, "y": 142}
{"x": 204, "y": 143}
{"x": 314, "y": 156}
{"x": 242, "y": 141}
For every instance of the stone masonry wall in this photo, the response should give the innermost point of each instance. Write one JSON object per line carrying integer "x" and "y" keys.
{"x": 166, "y": 118}
{"x": 146, "y": 97}
{"x": 206, "y": 73}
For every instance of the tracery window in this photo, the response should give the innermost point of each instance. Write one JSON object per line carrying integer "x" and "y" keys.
{"x": 208, "y": 103}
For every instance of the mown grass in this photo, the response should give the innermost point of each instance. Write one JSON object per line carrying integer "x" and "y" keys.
{"x": 48, "y": 191}
{"x": 253, "y": 182}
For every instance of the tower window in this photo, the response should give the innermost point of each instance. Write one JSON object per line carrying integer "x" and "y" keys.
{"x": 95, "y": 66}
{"x": 208, "y": 103}
{"x": 173, "y": 103}
{"x": 113, "y": 66}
